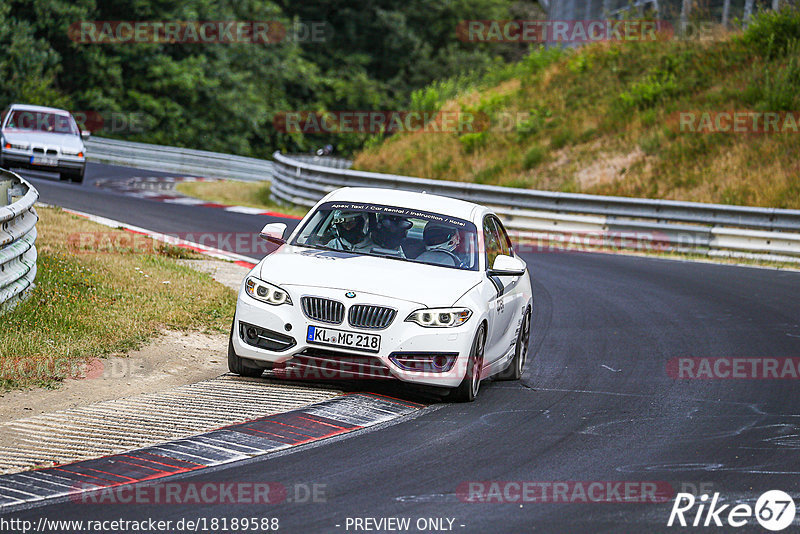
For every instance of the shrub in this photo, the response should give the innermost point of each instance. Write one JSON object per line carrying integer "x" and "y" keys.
{"x": 778, "y": 90}
{"x": 647, "y": 93}
{"x": 533, "y": 157}
{"x": 472, "y": 141}
{"x": 488, "y": 174}
{"x": 771, "y": 33}
{"x": 562, "y": 138}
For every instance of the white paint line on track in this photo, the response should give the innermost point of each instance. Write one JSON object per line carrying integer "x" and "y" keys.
{"x": 245, "y": 210}
{"x": 186, "y": 201}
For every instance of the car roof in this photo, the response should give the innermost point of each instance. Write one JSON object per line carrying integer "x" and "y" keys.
{"x": 28, "y": 107}
{"x": 406, "y": 199}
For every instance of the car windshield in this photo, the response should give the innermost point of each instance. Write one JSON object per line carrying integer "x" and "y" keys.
{"x": 399, "y": 233}
{"x": 41, "y": 121}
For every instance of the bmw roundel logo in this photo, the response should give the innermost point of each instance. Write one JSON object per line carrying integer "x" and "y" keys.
{"x": 350, "y": 294}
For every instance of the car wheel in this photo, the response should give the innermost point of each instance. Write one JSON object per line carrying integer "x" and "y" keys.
{"x": 467, "y": 391}
{"x": 514, "y": 369}
{"x": 70, "y": 176}
{"x": 238, "y": 365}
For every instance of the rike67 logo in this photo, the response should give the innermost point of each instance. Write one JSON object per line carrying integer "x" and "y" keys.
{"x": 774, "y": 510}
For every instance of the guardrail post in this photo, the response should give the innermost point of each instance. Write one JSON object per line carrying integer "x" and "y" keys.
{"x": 15, "y": 193}
{"x": 5, "y": 192}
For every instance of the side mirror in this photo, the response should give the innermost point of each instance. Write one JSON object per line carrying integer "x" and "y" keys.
{"x": 85, "y": 134}
{"x": 507, "y": 266}
{"x": 273, "y": 232}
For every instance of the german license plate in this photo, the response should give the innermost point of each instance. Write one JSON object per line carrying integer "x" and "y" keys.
{"x": 343, "y": 338}
{"x": 44, "y": 160}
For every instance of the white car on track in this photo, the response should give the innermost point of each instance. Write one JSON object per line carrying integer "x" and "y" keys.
{"x": 380, "y": 283}
{"x": 44, "y": 139}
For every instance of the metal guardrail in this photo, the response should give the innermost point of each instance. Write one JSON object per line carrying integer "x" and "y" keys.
{"x": 177, "y": 160}
{"x": 17, "y": 237}
{"x": 681, "y": 11}
{"x": 634, "y": 223}
{"x": 546, "y": 216}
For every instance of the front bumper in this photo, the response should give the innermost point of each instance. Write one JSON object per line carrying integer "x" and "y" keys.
{"x": 400, "y": 338}
{"x": 23, "y": 160}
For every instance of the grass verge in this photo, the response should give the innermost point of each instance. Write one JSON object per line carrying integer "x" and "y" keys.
{"x": 100, "y": 291}
{"x": 235, "y": 193}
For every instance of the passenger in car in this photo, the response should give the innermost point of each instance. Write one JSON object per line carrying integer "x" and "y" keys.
{"x": 389, "y": 233}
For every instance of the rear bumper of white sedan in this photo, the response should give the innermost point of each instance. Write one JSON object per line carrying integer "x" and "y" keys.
{"x": 279, "y": 336}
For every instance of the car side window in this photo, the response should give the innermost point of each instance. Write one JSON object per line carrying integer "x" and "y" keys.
{"x": 491, "y": 241}
{"x": 505, "y": 241}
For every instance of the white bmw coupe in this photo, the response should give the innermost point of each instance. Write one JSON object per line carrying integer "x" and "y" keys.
{"x": 380, "y": 283}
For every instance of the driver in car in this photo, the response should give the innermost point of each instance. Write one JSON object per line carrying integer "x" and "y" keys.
{"x": 442, "y": 244}
{"x": 351, "y": 231}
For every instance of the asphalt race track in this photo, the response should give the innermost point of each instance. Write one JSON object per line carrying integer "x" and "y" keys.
{"x": 596, "y": 402}
{"x": 156, "y": 216}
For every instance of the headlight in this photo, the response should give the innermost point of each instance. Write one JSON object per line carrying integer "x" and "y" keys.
{"x": 440, "y": 317}
{"x": 71, "y": 152}
{"x": 18, "y": 146}
{"x": 260, "y": 290}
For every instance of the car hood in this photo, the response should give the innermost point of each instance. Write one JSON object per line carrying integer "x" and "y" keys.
{"x": 69, "y": 141}
{"x": 426, "y": 285}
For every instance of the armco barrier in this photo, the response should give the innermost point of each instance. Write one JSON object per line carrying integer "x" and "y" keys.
{"x": 302, "y": 180}
{"x": 177, "y": 160}
{"x": 17, "y": 237}
{"x": 715, "y": 229}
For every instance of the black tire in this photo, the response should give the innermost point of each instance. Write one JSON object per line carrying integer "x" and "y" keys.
{"x": 72, "y": 176}
{"x": 239, "y": 365}
{"x": 467, "y": 391}
{"x": 514, "y": 369}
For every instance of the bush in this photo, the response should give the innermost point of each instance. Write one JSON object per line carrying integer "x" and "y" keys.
{"x": 534, "y": 157}
{"x": 533, "y": 123}
{"x": 472, "y": 141}
{"x": 771, "y": 33}
{"x": 562, "y": 138}
{"x": 442, "y": 167}
{"x": 650, "y": 143}
{"x": 648, "y": 92}
{"x": 778, "y": 90}
{"x": 488, "y": 174}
